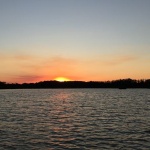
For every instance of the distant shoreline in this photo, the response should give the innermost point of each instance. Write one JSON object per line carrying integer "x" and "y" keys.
{"x": 120, "y": 84}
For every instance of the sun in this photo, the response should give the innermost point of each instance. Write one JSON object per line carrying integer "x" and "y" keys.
{"x": 61, "y": 79}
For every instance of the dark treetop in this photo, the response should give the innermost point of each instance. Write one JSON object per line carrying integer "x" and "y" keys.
{"x": 121, "y": 84}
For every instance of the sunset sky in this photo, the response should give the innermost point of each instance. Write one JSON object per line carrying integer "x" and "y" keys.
{"x": 86, "y": 40}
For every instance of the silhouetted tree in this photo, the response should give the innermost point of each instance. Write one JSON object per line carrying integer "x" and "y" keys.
{"x": 121, "y": 83}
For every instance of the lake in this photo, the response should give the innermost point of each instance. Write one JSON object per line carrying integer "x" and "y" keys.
{"x": 70, "y": 119}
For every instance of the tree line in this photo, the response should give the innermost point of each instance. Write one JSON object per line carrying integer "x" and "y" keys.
{"x": 121, "y": 83}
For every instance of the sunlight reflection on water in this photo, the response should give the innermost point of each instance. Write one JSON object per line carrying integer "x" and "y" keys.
{"x": 75, "y": 119}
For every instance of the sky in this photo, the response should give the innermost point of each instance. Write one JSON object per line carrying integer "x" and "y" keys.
{"x": 88, "y": 40}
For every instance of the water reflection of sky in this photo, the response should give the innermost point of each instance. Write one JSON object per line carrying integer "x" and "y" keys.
{"x": 74, "y": 118}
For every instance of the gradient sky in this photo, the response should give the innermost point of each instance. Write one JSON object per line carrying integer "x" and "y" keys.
{"x": 77, "y": 39}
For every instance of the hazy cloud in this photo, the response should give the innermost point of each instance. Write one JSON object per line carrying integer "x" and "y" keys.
{"x": 117, "y": 60}
{"x": 27, "y": 78}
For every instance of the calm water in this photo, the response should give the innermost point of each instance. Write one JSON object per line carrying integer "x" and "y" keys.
{"x": 61, "y": 119}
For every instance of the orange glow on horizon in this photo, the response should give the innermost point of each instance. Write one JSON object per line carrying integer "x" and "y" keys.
{"x": 62, "y": 79}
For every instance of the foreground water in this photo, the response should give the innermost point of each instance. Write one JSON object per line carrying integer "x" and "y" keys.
{"x": 94, "y": 119}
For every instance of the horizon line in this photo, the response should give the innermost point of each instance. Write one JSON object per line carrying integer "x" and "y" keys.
{"x": 73, "y": 81}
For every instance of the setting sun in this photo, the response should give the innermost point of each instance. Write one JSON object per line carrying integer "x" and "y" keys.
{"x": 61, "y": 79}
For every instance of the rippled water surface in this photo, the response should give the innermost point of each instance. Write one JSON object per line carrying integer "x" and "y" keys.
{"x": 61, "y": 119}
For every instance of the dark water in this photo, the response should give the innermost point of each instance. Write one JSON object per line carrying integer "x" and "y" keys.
{"x": 62, "y": 119}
